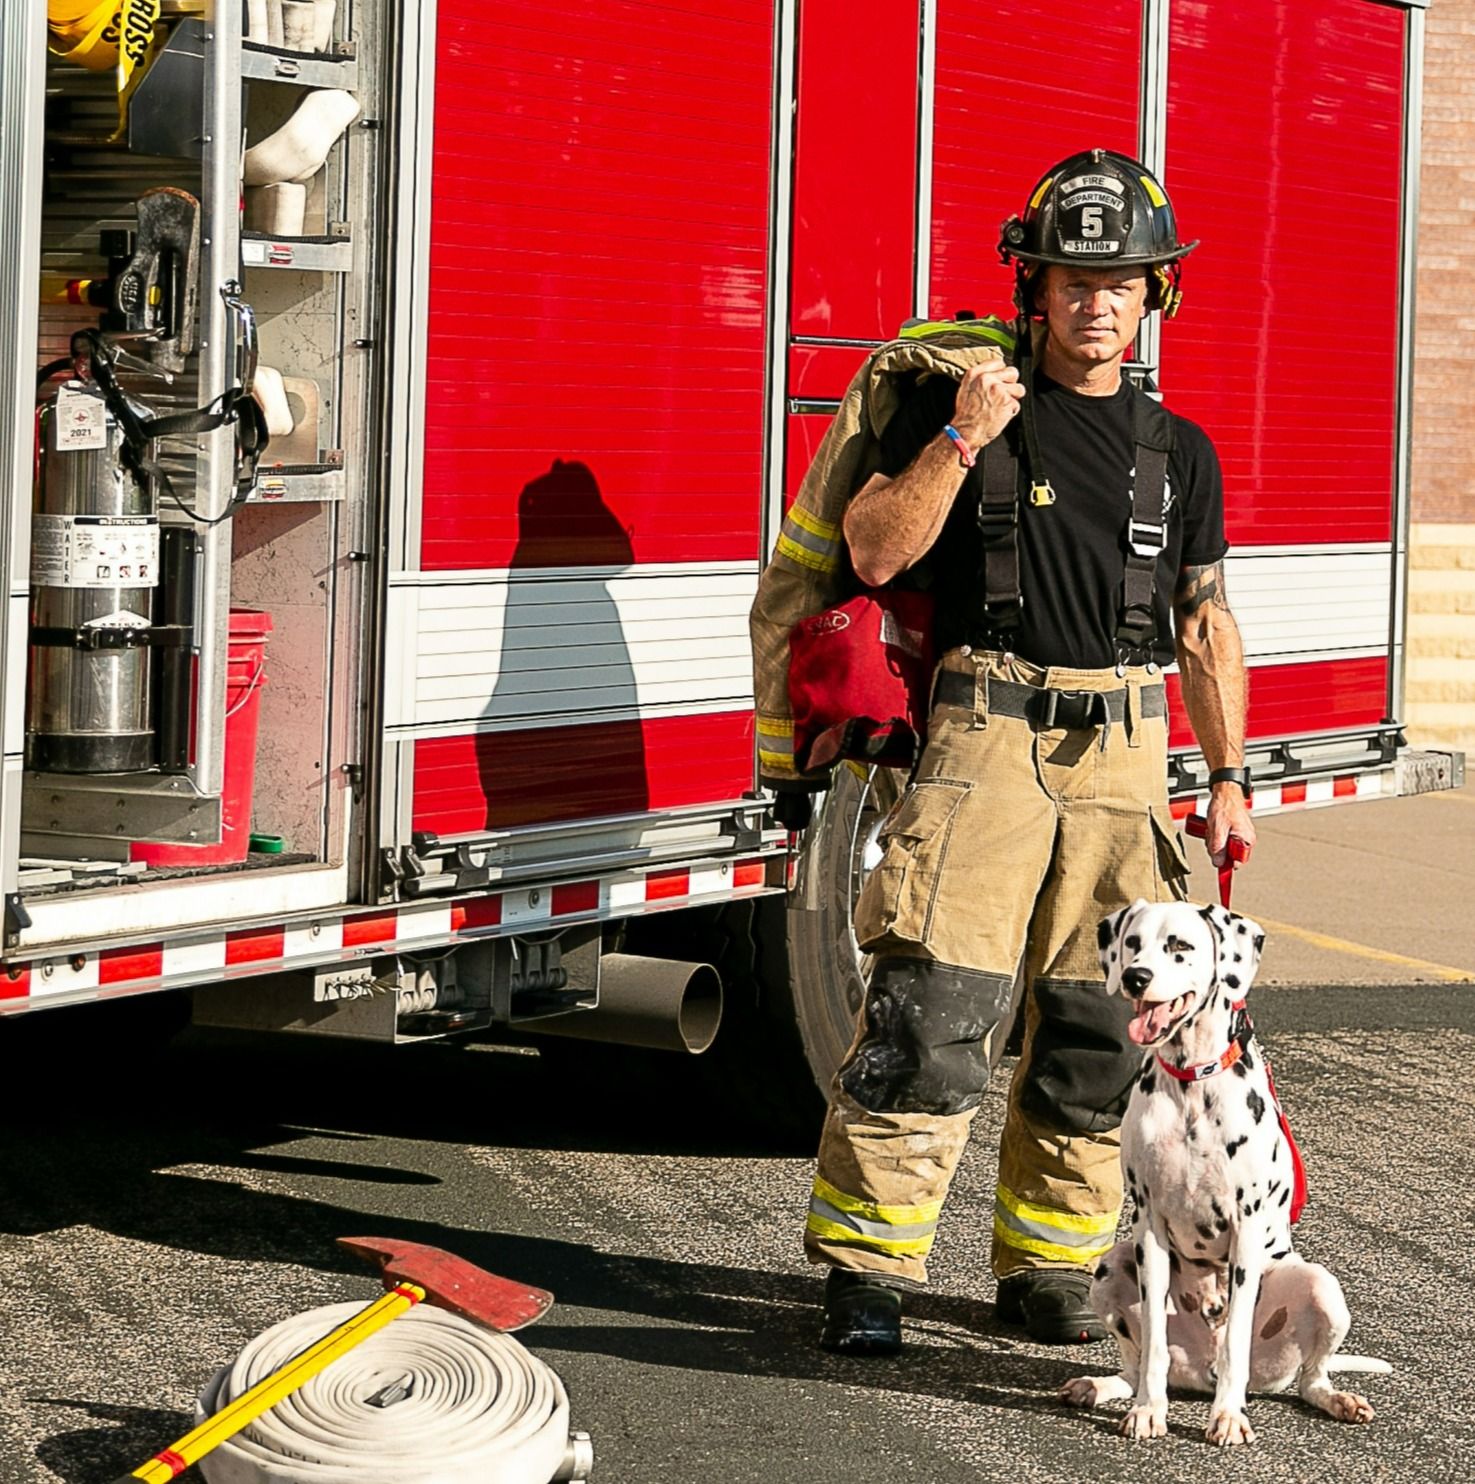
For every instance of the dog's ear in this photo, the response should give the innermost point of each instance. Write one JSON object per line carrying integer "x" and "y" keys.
{"x": 1109, "y": 943}
{"x": 1237, "y": 945}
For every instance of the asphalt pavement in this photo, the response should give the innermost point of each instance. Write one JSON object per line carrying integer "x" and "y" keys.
{"x": 153, "y": 1219}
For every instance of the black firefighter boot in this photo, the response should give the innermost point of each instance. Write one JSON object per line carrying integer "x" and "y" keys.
{"x": 1053, "y": 1306}
{"x": 862, "y": 1315}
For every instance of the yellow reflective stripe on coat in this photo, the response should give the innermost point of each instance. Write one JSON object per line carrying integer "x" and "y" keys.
{"x": 990, "y": 330}
{"x": 906, "y": 1231}
{"x": 1056, "y": 1236}
{"x": 775, "y": 743}
{"x": 810, "y": 541}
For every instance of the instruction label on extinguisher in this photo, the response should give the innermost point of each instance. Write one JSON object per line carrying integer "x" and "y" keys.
{"x": 94, "y": 551}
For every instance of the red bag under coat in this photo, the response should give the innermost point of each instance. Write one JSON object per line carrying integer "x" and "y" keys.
{"x": 860, "y": 680}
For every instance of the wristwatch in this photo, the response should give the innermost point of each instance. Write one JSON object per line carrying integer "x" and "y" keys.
{"x": 1240, "y": 776}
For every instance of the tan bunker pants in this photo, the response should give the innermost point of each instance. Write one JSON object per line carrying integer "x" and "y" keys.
{"x": 1016, "y": 838}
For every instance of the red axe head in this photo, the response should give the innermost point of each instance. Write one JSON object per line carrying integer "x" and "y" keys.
{"x": 450, "y": 1282}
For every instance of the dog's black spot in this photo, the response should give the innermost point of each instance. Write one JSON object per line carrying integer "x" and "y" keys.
{"x": 1239, "y": 1193}
{"x": 1205, "y": 1231}
{"x": 1256, "y": 1104}
{"x": 1133, "y": 942}
{"x": 1259, "y": 942}
{"x": 1239, "y": 958}
{"x": 1199, "y": 1245}
{"x": 1241, "y": 1067}
{"x": 1146, "y": 1195}
{"x": 1283, "y": 1253}
{"x": 1148, "y": 1083}
{"x": 1232, "y": 980}
{"x": 1272, "y": 1187}
{"x": 1208, "y": 1101}
{"x": 1172, "y": 1261}
{"x": 1137, "y": 1251}
{"x": 1270, "y": 1241}
{"x": 1123, "y": 1329}
{"x": 1239, "y": 1277}
{"x": 1222, "y": 1224}
{"x": 1235, "y": 1145}
{"x": 1246, "y": 1060}
{"x": 1131, "y": 1177}
{"x": 1274, "y": 1151}
{"x": 1285, "y": 1195}
{"x": 1177, "y": 958}
{"x": 1255, "y": 1207}
{"x": 1239, "y": 927}
{"x": 1215, "y": 1207}
{"x": 1103, "y": 932}
{"x": 1103, "y": 1273}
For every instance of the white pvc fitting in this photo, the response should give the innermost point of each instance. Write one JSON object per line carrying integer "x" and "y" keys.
{"x": 322, "y": 24}
{"x": 298, "y": 25}
{"x": 278, "y": 210}
{"x": 299, "y": 149}
{"x": 271, "y": 396}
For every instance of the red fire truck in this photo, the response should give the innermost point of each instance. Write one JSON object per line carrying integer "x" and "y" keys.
{"x": 558, "y": 318}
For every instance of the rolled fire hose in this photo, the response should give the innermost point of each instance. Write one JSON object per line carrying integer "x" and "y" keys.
{"x": 429, "y": 1399}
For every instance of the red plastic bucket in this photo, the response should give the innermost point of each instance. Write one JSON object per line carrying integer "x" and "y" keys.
{"x": 245, "y": 676}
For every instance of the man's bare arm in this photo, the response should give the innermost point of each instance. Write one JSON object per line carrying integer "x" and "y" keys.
{"x": 1215, "y": 693}
{"x": 892, "y": 523}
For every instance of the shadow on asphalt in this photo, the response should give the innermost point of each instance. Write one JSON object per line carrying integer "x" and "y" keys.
{"x": 111, "y": 1150}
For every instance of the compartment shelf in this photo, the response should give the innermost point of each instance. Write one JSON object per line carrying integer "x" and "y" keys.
{"x": 298, "y": 484}
{"x": 262, "y": 63}
{"x": 307, "y": 254}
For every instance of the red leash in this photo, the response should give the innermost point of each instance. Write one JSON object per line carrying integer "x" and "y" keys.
{"x": 1239, "y": 851}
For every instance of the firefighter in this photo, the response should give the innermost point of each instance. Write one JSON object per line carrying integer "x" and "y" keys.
{"x": 1071, "y": 530}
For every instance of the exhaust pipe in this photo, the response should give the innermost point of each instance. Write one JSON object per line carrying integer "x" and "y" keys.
{"x": 660, "y": 1004}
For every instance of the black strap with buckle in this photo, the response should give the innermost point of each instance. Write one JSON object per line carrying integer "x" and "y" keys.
{"x": 1002, "y": 599}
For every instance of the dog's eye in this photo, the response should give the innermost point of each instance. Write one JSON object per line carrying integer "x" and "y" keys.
{"x": 1179, "y": 945}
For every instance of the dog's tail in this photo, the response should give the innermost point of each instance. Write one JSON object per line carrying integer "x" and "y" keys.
{"x": 1363, "y": 1363}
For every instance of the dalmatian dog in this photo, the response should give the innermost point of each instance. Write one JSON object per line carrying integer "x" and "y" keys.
{"x": 1208, "y": 1294}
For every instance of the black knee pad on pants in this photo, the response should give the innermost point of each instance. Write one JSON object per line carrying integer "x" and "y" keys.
{"x": 923, "y": 1049}
{"x": 1082, "y": 1063}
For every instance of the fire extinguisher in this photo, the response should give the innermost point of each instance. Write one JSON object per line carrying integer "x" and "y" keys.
{"x": 96, "y": 554}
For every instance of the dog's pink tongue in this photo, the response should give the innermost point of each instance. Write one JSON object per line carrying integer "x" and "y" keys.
{"x": 1152, "y": 1023}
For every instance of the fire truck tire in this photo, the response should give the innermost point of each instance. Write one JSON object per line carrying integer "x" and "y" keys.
{"x": 812, "y": 976}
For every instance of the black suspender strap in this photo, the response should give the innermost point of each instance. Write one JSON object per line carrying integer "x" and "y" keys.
{"x": 998, "y": 525}
{"x": 1147, "y": 526}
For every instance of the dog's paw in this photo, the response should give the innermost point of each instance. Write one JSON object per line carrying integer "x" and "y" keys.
{"x": 1347, "y": 1406}
{"x": 1150, "y": 1421}
{"x": 1229, "y": 1429}
{"x": 1091, "y": 1391}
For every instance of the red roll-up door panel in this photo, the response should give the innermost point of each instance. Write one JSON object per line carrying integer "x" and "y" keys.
{"x": 855, "y": 169}
{"x": 1020, "y": 85}
{"x": 1284, "y": 150}
{"x": 598, "y": 276}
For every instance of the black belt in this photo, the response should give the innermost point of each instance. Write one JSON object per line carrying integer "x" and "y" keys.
{"x": 1046, "y": 708}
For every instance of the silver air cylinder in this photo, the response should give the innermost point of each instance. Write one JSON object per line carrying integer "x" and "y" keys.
{"x": 94, "y": 567}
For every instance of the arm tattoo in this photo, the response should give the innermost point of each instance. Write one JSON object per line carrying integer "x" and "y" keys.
{"x": 1200, "y": 585}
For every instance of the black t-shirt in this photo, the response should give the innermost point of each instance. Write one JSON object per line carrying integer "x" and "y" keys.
{"x": 1072, "y": 554}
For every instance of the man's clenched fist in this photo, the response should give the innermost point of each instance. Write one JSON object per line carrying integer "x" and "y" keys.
{"x": 988, "y": 396}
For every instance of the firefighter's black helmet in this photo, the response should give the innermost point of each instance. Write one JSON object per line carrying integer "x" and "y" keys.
{"x": 1104, "y": 210}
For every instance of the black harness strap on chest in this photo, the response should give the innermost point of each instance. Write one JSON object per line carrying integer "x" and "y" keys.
{"x": 1147, "y": 527}
{"x": 1146, "y": 535}
{"x": 998, "y": 525}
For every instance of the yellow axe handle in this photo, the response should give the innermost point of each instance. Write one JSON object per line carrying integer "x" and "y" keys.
{"x": 169, "y": 1463}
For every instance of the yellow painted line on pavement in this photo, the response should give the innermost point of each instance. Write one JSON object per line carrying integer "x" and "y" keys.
{"x": 1378, "y": 955}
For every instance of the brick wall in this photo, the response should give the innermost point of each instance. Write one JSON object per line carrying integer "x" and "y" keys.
{"x": 1440, "y": 695}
